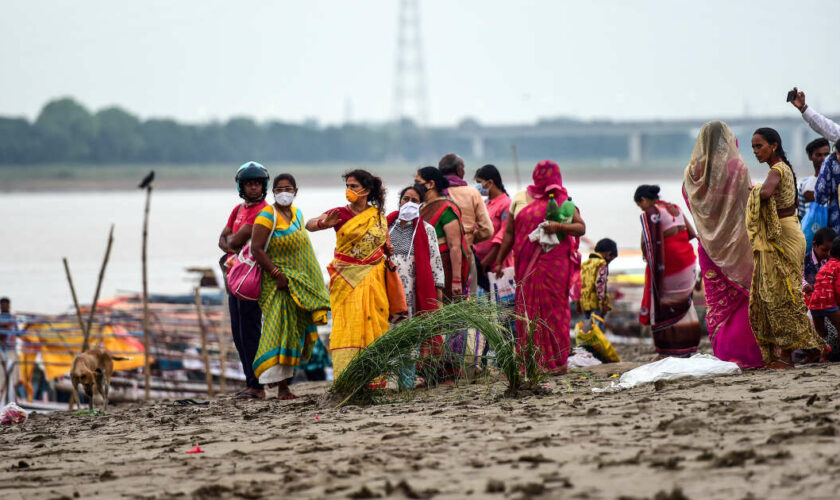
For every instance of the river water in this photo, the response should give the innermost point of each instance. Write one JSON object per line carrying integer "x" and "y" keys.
{"x": 39, "y": 228}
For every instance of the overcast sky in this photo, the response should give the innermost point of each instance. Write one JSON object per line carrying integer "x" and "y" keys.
{"x": 496, "y": 61}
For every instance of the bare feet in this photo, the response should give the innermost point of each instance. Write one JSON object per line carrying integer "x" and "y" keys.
{"x": 283, "y": 392}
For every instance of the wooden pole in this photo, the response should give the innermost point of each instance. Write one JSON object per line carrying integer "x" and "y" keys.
{"x": 516, "y": 165}
{"x": 223, "y": 333}
{"x": 146, "y": 346}
{"x": 86, "y": 342}
{"x": 208, "y": 375}
{"x": 75, "y": 300}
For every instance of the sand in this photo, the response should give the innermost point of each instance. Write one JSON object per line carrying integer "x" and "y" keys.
{"x": 760, "y": 434}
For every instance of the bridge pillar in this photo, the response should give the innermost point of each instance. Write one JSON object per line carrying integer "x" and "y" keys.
{"x": 634, "y": 148}
{"x": 797, "y": 152}
{"x": 477, "y": 147}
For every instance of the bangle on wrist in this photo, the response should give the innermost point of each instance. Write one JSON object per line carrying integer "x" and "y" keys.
{"x": 319, "y": 223}
{"x": 803, "y": 108}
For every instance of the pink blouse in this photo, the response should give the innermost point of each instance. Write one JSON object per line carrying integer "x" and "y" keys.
{"x": 499, "y": 210}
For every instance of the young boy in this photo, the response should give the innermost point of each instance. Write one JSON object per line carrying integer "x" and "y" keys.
{"x": 817, "y": 257}
{"x": 594, "y": 296}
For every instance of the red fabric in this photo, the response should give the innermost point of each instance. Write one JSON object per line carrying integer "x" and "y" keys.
{"x": 542, "y": 292}
{"x": 465, "y": 263}
{"x": 425, "y": 298}
{"x": 827, "y": 287}
{"x": 667, "y": 256}
{"x": 547, "y": 179}
{"x": 242, "y": 215}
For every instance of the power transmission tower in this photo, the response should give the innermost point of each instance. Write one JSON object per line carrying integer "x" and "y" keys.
{"x": 410, "y": 99}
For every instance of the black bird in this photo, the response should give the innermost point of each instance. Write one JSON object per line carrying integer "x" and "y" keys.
{"x": 147, "y": 180}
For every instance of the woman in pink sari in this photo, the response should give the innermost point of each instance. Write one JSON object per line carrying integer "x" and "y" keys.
{"x": 543, "y": 275}
{"x": 716, "y": 188}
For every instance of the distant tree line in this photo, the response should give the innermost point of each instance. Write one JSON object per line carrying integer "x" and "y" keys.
{"x": 65, "y": 131}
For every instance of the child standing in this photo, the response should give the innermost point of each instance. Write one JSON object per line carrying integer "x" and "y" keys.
{"x": 594, "y": 296}
{"x": 824, "y": 299}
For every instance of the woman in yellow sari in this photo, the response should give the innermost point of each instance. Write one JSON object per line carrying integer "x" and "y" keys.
{"x": 358, "y": 298}
{"x": 777, "y": 310}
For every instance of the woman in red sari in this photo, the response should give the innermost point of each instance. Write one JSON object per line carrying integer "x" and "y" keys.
{"x": 543, "y": 277}
{"x": 670, "y": 276}
{"x": 445, "y": 217}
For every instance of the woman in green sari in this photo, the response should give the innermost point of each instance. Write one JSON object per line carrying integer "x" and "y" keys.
{"x": 294, "y": 297}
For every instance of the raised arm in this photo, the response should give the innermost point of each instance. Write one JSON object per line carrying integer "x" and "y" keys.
{"x": 818, "y": 123}
{"x": 326, "y": 220}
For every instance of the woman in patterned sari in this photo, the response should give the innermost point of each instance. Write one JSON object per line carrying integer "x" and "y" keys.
{"x": 543, "y": 277}
{"x": 778, "y": 314}
{"x": 670, "y": 276}
{"x": 358, "y": 297}
{"x": 294, "y": 298}
{"x": 716, "y": 188}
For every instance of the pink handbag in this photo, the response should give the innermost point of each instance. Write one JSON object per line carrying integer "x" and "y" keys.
{"x": 245, "y": 276}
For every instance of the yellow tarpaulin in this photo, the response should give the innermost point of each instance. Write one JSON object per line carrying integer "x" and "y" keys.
{"x": 58, "y": 343}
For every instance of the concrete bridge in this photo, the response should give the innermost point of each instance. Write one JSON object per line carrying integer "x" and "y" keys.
{"x": 793, "y": 129}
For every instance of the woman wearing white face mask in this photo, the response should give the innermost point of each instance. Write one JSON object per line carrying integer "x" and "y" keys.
{"x": 294, "y": 297}
{"x": 416, "y": 254}
{"x": 417, "y": 257}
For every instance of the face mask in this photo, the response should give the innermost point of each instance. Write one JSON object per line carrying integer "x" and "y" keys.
{"x": 284, "y": 199}
{"x": 351, "y": 195}
{"x": 483, "y": 190}
{"x": 409, "y": 211}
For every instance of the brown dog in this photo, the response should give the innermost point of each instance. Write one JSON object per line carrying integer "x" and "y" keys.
{"x": 92, "y": 369}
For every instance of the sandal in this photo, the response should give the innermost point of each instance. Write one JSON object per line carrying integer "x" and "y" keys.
{"x": 778, "y": 364}
{"x": 189, "y": 402}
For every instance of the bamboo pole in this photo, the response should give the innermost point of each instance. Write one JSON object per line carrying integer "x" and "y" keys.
{"x": 86, "y": 342}
{"x": 146, "y": 346}
{"x": 208, "y": 375}
{"x": 223, "y": 333}
{"x": 75, "y": 299}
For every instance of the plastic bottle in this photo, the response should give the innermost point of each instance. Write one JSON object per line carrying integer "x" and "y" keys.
{"x": 552, "y": 211}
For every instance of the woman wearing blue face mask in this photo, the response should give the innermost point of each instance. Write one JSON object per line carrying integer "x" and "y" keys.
{"x": 489, "y": 183}
{"x": 294, "y": 297}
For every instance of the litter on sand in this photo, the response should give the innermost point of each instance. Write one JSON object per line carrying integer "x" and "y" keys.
{"x": 581, "y": 358}
{"x": 697, "y": 366}
{"x": 197, "y": 449}
{"x": 12, "y": 414}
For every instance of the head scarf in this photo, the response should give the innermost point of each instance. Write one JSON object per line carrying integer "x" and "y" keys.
{"x": 717, "y": 186}
{"x": 547, "y": 179}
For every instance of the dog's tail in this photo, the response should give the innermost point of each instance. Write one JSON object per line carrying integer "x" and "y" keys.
{"x": 122, "y": 358}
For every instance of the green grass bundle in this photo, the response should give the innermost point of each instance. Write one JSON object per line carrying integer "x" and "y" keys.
{"x": 390, "y": 354}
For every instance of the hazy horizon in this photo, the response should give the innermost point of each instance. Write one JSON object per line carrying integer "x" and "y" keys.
{"x": 489, "y": 60}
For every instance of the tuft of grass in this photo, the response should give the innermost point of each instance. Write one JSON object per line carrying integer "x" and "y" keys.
{"x": 389, "y": 355}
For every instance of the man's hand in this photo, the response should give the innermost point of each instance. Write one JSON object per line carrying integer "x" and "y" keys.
{"x": 799, "y": 101}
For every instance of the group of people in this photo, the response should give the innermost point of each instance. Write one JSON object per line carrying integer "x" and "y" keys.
{"x": 446, "y": 241}
{"x": 770, "y": 300}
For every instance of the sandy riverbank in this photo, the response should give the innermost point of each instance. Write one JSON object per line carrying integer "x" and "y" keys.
{"x": 757, "y": 435}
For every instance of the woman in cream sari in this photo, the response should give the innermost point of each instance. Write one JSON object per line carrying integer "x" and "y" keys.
{"x": 716, "y": 188}
{"x": 358, "y": 298}
{"x": 777, "y": 310}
